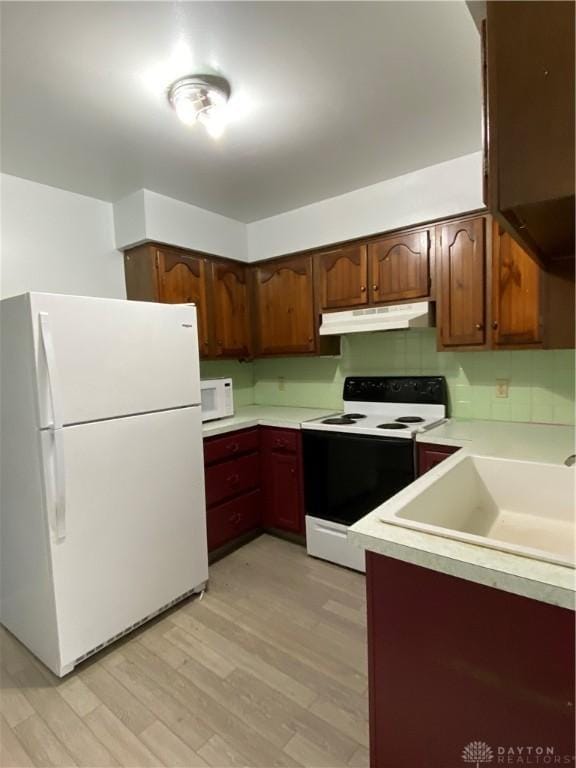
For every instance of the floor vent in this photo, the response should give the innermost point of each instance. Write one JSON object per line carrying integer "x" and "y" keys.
{"x": 136, "y": 624}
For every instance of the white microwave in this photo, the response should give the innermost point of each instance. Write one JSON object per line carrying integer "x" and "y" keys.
{"x": 217, "y": 399}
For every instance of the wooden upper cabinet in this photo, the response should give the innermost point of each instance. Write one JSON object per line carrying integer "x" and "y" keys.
{"x": 343, "y": 277}
{"x": 462, "y": 273}
{"x": 516, "y": 303}
{"x": 229, "y": 288}
{"x": 399, "y": 267}
{"x": 183, "y": 280}
{"x": 529, "y": 95}
{"x": 170, "y": 276}
{"x": 285, "y": 317}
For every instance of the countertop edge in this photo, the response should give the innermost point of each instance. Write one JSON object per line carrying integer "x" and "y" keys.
{"x": 248, "y": 420}
{"x": 495, "y": 578}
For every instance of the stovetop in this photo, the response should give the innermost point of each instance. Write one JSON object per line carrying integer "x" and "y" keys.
{"x": 395, "y": 406}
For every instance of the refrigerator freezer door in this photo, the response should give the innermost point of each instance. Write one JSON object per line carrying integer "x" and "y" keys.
{"x": 104, "y": 358}
{"x": 135, "y": 528}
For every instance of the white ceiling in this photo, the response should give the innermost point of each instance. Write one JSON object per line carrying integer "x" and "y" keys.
{"x": 327, "y": 97}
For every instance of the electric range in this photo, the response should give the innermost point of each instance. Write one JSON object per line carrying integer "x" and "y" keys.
{"x": 359, "y": 458}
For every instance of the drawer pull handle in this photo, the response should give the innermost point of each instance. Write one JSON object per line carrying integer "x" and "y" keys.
{"x": 233, "y": 479}
{"x": 235, "y": 518}
{"x": 233, "y": 447}
{"x": 281, "y": 443}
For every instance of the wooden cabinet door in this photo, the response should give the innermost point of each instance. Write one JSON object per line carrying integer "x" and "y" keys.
{"x": 230, "y": 303}
{"x": 283, "y": 507}
{"x": 283, "y": 500}
{"x": 343, "y": 277}
{"x": 400, "y": 267}
{"x": 182, "y": 280}
{"x": 285, "y": 320}
{"x": 463, "y": 642}
{"x": 515, "y": 293}
{"x": 531, "y": 82}
{"x": 462, "y": 301}
{"x": 281, "y": 457}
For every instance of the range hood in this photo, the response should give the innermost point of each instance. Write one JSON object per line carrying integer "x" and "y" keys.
{"x": 390, "y": 318}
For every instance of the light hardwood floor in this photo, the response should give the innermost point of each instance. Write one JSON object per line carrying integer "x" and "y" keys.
{"x": 267, "y": 669}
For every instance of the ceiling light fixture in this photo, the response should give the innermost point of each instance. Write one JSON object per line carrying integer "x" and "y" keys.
{"x": 201, "y": 99}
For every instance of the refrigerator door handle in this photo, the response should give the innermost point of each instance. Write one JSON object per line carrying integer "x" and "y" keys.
{"x": 52, "y": 374}
{"x": 59, "y": 484}
{"x": 55, "y": 428}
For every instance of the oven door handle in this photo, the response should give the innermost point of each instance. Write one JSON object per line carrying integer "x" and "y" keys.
{"x": 325, "y": 528}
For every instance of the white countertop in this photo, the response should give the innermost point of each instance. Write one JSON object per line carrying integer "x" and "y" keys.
{"x": 550, "y": 443}
{"x": 265, "y": 416}
{"x": 547, "y": 582}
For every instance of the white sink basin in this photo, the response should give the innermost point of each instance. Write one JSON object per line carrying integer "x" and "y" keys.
{"x": 514, "y": 506}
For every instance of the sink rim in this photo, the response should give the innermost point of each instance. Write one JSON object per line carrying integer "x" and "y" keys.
{"x": 390, "y": 511}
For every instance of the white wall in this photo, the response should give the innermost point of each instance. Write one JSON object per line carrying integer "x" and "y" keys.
{"x": 57, "y": 242}
{"x": 429, "y": 193}
{"x": 60, "y": 242}
{"x": 130, "y": 219}
{"x": 146, "y": 215}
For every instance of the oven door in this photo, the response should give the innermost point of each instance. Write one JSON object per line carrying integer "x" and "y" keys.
{"x": 347, "y": 476}
{"x": 211, "y": 397}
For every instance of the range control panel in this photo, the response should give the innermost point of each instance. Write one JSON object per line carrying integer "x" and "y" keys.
{"x": 396, "y": 389}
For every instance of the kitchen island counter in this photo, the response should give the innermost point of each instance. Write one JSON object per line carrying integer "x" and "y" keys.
{"x": 546, "y": 582}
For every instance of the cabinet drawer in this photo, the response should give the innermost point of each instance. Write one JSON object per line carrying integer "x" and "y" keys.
{"x": 233, "y": 518}
{"x": 232, "y": 478}
{"x": 281, "y": 439}
{"x": 230, "y": 445}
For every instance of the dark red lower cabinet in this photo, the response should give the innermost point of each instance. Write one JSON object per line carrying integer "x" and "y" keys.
{"x": 282, "y": 485}
{"x": 232, "y": 519}
{"x": 233, "y": 498}
{"x": 452, "y": 662}
{"x": 429, "y": 455}
{"x": 253, "y": 480}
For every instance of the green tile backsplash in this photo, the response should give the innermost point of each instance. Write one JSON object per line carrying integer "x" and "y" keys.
{"x": 541, "y": 383}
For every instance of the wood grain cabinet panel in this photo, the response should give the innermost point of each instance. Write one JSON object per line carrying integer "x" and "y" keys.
{"x": 231, "y": 445}
{"x": 183, "y": 280}
{"x": 400, "y": 267}
{"x": 170, "y": 276}
{"x": 343, "y": 277}
{"x": 530, "y": 139}
{"x": 285, "y": 319}
{"x": 233, "y": 497}
{"x": 232, "y": 478}
{"x": 229, "y": 289}
{"x": 282, "y": 480}
{"x": 462, "y": 299}
{"x": 516, "y": 303}
{"x": 470, "y": 656}
{"x": 283, "y": 508}
{"x": 233, "y": 518}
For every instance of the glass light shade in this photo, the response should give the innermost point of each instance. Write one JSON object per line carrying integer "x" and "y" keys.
{"x": 197, "y": 101}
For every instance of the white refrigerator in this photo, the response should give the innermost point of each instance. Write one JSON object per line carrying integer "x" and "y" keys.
{"x": 102, "y": 507}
